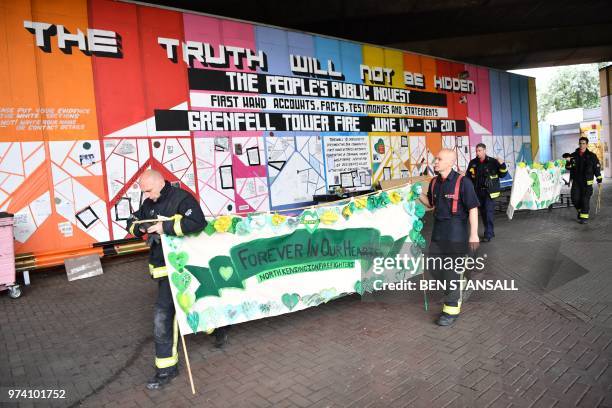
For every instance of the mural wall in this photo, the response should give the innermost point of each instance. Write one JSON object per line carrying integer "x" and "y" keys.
{"x": 246, "y": 117}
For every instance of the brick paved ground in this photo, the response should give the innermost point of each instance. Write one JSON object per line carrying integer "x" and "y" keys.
{"x": 548, "y": 344}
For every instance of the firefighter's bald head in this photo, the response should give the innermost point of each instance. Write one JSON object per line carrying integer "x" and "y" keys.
{"x": 445, "y": 160}
{"x": 151, "y": 183}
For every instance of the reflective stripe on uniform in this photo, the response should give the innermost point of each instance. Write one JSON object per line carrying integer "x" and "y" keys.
{"x": 166, "y": 362}
{"x": 172, "y": 360}
{"x": 451, "y": 310}
{"x": 599, "y": 178}
{"x": 495, "y": 195}
{"x": 584, "y": 215}
{"x": 158, "y": 272}
{"x": 177, "y": 225}
{"x": 589, "y": 182}
{"x": 493, "y": 177}
{"x": 132, "y": 229}
{"x": 503, "y": 170}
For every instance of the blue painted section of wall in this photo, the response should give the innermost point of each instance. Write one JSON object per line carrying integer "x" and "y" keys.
{"x": 506, "y": 109}
{"x": 524, "y": 99}
{"x": 278, "y": 45}
{"x": 351, "y": 55}
{"x": 515, "y": 105}
{"x": 328, "y": 49}
{"x": 301, "y": 44}
{"x": 275, "y": 44}
{"x": 298, "y": 44}
{"x": 500, "y": 113}
{"x": 496, "y": 107}
{"x": 346, "y": 57}
{"x": 545, "y": 142}
{"x": 519, "y": 100}
{"x": 524, "y": 154}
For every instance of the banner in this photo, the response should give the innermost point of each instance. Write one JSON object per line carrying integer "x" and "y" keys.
{"x": 260, "y": 265}
{"x": 536, "y": 187}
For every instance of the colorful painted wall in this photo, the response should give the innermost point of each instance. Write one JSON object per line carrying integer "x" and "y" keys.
{"x": 246, "y": 117}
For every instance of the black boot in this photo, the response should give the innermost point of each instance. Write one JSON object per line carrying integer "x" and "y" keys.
{"x": 162, "y": 378}
{"x": 220, "y": 337}
{"x": 446, "y": 319}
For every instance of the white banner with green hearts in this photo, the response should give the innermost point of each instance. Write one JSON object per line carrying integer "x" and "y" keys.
{"x": 535, "y": 187}
{"x": 243, "y": 268}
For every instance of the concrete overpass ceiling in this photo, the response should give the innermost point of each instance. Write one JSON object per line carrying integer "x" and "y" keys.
{"x": 504, "y": 34}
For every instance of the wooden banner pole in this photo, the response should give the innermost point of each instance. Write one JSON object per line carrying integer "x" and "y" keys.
{"x": 188, "y": 365}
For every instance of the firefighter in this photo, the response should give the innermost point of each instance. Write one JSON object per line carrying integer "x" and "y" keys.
{"x": 485, "y": 173}
{"x": 162, "y": 199}
{"x": 455, "y": 228}
{"x": 583, "y": 166}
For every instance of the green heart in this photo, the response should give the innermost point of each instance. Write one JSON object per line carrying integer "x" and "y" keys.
{"x": 231, "y": 313}
{"x": 417, "y": 225}
{"x": 181, "y": 280}
{"x": 226, "y": 272}
{"x": 358, "y": 287}
{"x": 193, "y": 319}
{"x": 209, "y": 318}
{"x": 290, "y": 300}
{"x": 313, "y": 300}
{"x": 310, "y": 220}
{"x": 178, "y": 260}
{"x": 328, "y": 294}
{"x": 185, "y": 300}
{"x": 419, "y": 210}
{"x": 536, "y": 184}
{"x": 414, "y": 235}
{"x": 210, "y": 228}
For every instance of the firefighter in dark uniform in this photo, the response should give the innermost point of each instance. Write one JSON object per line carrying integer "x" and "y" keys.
{"x": 162, "y": 199}
{"x": 455, "y": 228}
{"x": 485, "y": 173}
{"x": 583, "y": 166}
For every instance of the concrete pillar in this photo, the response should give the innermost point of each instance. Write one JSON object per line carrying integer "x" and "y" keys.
{"x": 605, "y": 91}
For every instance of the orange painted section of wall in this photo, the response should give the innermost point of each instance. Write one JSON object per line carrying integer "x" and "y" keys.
{"x": 18, "y": 80}
{"x": 66, "y": 80}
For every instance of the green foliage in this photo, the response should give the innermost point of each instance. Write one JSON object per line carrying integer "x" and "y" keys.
{"x": 572, "y": 87}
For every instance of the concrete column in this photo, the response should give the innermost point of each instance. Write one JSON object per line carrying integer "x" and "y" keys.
{"x": 605, "y": 91}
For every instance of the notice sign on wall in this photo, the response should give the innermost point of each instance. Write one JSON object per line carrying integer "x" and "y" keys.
{"x": 83, "y": 267}
{"x": 348, "y": 162}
